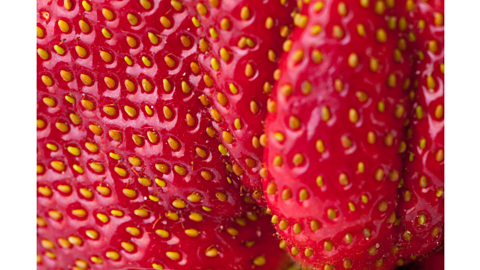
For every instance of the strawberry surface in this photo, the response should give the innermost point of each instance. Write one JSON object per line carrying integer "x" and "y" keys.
{"x": 243, "y": 41}
{"x": 421, "y": 200}
{"x": 125, "y": 140}
{"x": 335, "y": 135}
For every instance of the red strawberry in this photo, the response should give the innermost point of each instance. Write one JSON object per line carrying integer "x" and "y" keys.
{"x": 162, "y": 241}
{"x": 335, "y": 138}
{"x": 421, "y": 200}
{"x": 243, "y": 40}
{"x": 123, "y": 135}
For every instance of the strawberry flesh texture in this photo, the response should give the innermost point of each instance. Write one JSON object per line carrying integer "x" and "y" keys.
{"x": 241, "y": 243}
{"x": 421, "y": 207}
{"x": 250, "y": 84}
{"x": 63, "y": 131}
{"x": 335, "y": 158}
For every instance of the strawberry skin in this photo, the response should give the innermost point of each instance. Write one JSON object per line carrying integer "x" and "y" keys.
{"x": 335, "y": 135}
{"x": 164, "y": 241}
{"x": 244, "y": 43}
{"x": 124, "y": 140}
{"x": 421, "y": 200}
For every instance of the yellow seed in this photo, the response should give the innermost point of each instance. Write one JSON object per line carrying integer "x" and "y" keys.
{"x": 185, "y": 87}
{"x": 45, "y": 191}
{"x": 213, "y": 33}
{"x": 66, "y": 76}
{"x": 43, "y": 54}
{"x": 40, "y": 32}
{"x": 58, "y": 165}
{"x": 325, "y": 114}
{"x": 132, "y": 19}
{"x": 318, "y": 6}
{"x": 353, "y": 115}
{"x": 145, "y": 61}
{"x": 129, "y": 193}
{"x": 338, "y": 32}
{"x": 147, "y": 85}
{"x": 146, "y": 4}
{"x": 61, "y": 126}
{"x": 316, "y": 29}
{"x": 82, "y": 52}
{"x": 343, "y": 179}
{"x": 84, "y": 26}
{"x": 92, "y": 234}
{"x": 287, "y": 45}
{"x": 381, "y": 35}
{"x": 179, "y": 169}
{"x": 211, "y": 252}
{"x": 96, "y": 259}
{"x": 52, "y": 147}
{"x": 128, "y": 246}
{"x": 269, "y": 23}
{"x": 59, "y": 49}
{"x": 195, "y": 22}
{"x": 165, "y": 22}
{"x": 97, "y": 167}
{"x": 102, "y": 217}
{"x": 245, "y": 13}
{"x": 178, "y": 203}
{"x": 153, "y": 38}
{"x": 169, "y": 61}
{"x": 283, "y": 225}
{"x": 196, "y": 217}
{"x": 233, "y": 89}
{"x": 64, "y": 27}
{"x": 332, "y": 214}
{"x": 351, "y": 206}
{"x": 297, "y": 56}
{"x": 379, "y": 173}
{"x": 73, "y": 150}
{"x": 342, "y": 9}
{"x": 111, "y": 255}
{"x": 87, "y": 104}
{"x": 86, "y": 6}
{"x": 279, "y": 136}
{"x": 106, "y": 56}
{"x": 106, "y": 33}
{"x": 438, "y": 19}
{"x": 419, "y": 112}
{"x": 259, "y": 261}
{"x": 215, "y": 64}
{"x": 50, "y": 102}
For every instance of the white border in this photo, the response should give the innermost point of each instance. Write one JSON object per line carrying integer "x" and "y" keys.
{"x": 462, "y": 136}
{"x": 18, "y": 135}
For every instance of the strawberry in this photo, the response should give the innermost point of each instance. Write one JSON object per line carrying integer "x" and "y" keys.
{"x": 163, "y": 241}
{"x": 421, "y": 200}
{"x": 243, "y": 40}
{"x": 335, "y": 135}
{"x": 124, "y": 138}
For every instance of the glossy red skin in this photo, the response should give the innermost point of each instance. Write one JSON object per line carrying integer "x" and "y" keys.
{"x": 177, "y": 187}
{"x": 424, "y": 163}
{"x": 336, "y": 159}
{"x": 151, "y": 248}
{"x": 233, "y": 71}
